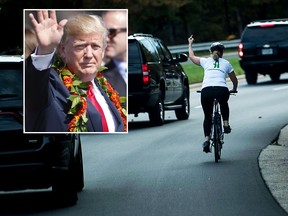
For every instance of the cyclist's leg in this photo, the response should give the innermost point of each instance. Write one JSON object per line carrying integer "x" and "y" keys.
{"x": 207, "y": 99}
{"x": 223, "y": 97}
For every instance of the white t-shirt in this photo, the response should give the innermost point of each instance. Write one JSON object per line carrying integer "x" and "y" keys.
{"x": 215, "y": 71}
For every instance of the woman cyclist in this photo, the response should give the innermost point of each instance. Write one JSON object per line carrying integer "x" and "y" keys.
{"x": 214, "y": 86}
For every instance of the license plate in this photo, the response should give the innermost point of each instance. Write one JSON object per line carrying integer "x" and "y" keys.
{"x": 267, "y": 51}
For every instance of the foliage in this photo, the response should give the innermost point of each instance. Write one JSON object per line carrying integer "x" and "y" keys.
{"x": 207, "y": 20}
{"x": 172, "y": 21}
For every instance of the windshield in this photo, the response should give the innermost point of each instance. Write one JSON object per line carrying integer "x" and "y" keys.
{"x": 272, "y": 34}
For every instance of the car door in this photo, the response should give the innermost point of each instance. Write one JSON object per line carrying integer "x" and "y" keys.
{"x": 168, "y": 73}
{"x": 172, "y": 72}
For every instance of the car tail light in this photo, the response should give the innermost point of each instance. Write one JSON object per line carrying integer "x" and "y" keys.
{"x": 240, "y": 50}
{"x": 146, "y": 74}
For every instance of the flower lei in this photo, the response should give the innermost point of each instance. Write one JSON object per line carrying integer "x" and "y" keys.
{"x": 114, "y": 97}
{"x": 78, "y": 122}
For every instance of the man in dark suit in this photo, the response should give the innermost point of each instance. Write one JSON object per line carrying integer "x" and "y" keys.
{"x": 116, "y": 50}
{"x": 114, "y": 77}
{"x": 49, "y": 97}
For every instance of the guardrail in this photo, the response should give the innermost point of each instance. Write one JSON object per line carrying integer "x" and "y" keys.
{"x": 202, "y": 46}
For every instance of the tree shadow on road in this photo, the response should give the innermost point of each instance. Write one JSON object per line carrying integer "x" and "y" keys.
{"x": 19, "y": 203}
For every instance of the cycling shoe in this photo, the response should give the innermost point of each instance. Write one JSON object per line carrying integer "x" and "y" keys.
{"x": 227, "y": 129}
{"x": 206, "y": 147}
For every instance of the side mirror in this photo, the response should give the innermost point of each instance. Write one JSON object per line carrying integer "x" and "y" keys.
{"x": 181, "y": 57}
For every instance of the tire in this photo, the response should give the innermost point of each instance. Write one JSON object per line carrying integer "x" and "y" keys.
{"x": 157, "y": 113}
{"x": 251, "y": 77}
{"x": 79, "y": 174}
{"x": 184, "y": 112}
{"x": 64, "y": 184}
{"x": 275, "y": 77}
{"x": 217, "y": 142}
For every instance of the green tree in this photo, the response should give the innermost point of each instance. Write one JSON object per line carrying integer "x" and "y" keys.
{"x": 171, "y": 20}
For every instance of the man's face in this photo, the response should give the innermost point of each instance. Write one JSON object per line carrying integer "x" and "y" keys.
{"x": 117, "y": 42}
{"x": 83, "y": 55}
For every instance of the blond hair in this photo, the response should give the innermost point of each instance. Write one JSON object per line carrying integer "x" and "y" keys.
{"x": 216, "y": 55}
{"x": 85, "y": 24}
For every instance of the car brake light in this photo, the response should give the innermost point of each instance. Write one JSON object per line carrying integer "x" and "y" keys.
{"x": 240, "y": 50}
{"x": 146, "y": 74}
{"x": 267, "y": 25}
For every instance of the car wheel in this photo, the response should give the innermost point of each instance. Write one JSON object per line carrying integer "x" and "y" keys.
{"x": 251, "y": 77}
{"x": 64, "y": 184}
{"x": 78, "y": 171}
{"x": 184, "y": 112}
{"x": 157, "y": 113}
{"x": 275, "y": 76}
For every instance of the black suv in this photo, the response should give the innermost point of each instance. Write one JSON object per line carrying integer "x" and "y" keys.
{"x": 156, "y": 80}
{"x": 264, "y": 49}
{"x": 34, "y": 161}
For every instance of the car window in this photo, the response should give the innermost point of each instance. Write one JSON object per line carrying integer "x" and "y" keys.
{"x": 11, "y": 82}
{"x": 133, "y": 53}
{"x": 149, "y": 50}
{"x": 163, "y": 51}
{"x": 273, "y": 34}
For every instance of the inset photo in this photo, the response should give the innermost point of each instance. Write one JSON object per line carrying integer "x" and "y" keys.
{"x": 75, "y": 71}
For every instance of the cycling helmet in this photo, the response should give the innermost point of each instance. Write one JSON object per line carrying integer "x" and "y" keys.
{"x": 216, "y": 46}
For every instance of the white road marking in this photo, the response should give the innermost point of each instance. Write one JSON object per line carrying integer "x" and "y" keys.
{"x": 280, "y": 88}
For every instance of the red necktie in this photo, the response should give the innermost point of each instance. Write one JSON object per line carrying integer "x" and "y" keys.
{"x": 92, "y": 98}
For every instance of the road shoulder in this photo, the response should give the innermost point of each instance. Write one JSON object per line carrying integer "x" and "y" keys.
{"x": 273, "y": 163}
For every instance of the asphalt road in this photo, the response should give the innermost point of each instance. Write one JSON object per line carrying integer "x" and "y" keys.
{"x": 163, "y": 171}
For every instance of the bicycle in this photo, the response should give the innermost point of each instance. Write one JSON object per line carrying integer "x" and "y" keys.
{"x": 217, "y": 134}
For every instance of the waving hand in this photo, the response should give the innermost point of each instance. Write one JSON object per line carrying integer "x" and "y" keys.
{"x": 48, "y": 31}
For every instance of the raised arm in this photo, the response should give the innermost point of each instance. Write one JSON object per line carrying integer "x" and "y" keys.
{"x": 194, "y": 59}
{"x": 48, "y": 31}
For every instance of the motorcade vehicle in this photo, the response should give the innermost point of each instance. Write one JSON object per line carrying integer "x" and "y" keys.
{"x": 156, "y": 80}
{"x": 34, "y": 161}
{"x": 263, "y": 49}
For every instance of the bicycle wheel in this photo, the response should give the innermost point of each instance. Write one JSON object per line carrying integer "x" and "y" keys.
{"x": 217, "y": 136}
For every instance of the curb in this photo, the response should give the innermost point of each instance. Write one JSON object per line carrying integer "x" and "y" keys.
{"x": 273, "y": 164}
